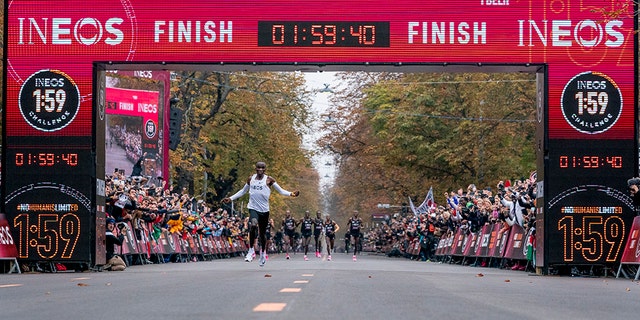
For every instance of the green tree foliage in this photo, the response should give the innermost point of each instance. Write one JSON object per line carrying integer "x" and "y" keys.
{"x": 233, "y": 120}
{"x": 406, "y": 132}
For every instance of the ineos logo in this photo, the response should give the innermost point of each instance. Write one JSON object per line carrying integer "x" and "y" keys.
{"x": 150, "y": 129}
{"x": 49, "y": 100}
{"x": 87, "y": 31}
{"x": 558, "y": 33}
{"x": 77, "y": 30}
{"x": 591, "y": 102}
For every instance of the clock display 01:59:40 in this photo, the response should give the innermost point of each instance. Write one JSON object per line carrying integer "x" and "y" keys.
{"x": 590, "y": 162}
{"x": 323, "y": 33}
{"x": 46, "y": 159}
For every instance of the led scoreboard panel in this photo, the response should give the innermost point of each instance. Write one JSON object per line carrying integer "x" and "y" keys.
{"x": 589, "y": 205}
{"x": 586, "y": 103}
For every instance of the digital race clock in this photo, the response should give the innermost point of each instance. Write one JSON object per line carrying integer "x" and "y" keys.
{"x": 588, "y": 204}
{"x": 49, "y": 170}
{"x": 49, "y": 160}
{"x": 46, "y": 159}
{"x": 610, "y": 159}
{"x": 589, "y": 161}
{"x": 323, "y": 34}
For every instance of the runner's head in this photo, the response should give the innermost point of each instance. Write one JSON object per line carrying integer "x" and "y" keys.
{"x": 260, "y": 168}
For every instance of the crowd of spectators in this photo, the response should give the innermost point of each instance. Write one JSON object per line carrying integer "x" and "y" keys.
{"x": 150, "y": 208}
{"x": 467, "y": 209}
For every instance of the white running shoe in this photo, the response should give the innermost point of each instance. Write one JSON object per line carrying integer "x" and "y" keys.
{"x": 305, "y": 258}
{"x": 263, "y": 259}
{"x": 329, "y": 258}
{"x": 354, "y": 258}
{"x": 250, "y": 254}
{"x": 288, "y": 256}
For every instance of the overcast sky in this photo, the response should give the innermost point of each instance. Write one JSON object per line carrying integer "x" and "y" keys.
{"x": 316, "y": 81}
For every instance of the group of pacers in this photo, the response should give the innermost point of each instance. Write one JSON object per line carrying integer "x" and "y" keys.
{"x": 316, "y": 227}
{"x": 259, "y": 187}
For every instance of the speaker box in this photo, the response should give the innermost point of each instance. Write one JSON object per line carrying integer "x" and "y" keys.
{"x": 175, "y": 124}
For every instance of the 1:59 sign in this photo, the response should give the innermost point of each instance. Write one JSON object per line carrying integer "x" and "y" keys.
{"x": 55, "y": 227}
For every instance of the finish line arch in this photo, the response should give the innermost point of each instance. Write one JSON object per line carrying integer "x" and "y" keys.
{"x": 54, "y": 97}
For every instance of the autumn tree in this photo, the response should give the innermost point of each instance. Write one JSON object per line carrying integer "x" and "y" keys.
{"x": 406, "y": 132}
{"x": 233, "y": 120}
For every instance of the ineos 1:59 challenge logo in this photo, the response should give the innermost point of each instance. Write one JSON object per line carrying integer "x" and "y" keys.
{"x": 49, "y": 100}
{"x": 591, "y": 102}
{"x": 150, "y": 129}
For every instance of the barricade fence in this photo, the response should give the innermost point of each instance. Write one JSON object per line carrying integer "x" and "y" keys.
{"x": 491, "y": 246}
{"x": 147, "y": 245}
{"x": 8, "y": 250}
{"x": 630, "y": 260}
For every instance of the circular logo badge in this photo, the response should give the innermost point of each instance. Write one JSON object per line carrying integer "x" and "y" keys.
{"x": 49, "y": 100}
{"x": 591, "y": 102}
{"x": 150, "y": 129}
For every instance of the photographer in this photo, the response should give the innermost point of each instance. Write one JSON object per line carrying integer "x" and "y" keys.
{"x": 511, "y": 201}
{"x": 634, "y": 186}
{"x": 114, "y": 262}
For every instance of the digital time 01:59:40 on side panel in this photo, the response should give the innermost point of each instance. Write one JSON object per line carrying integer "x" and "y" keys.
{"x": 51, "y": 161}
{"x": 590, "y": 161}
{"x": 46, "y": 159}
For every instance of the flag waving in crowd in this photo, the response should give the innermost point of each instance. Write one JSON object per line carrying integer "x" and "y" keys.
{"x": 413, "y": 208}
{"x": 426, "y": 205}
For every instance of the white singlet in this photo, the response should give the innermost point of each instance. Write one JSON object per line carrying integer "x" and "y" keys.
{"x": 259, "y": 193}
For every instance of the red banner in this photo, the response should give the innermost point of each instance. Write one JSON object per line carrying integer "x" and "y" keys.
{"x": 631, "y": 253}
{"x": 470, "y": 244}
{"x": 570, "y": 37}
{"x": 498, "y": 242}
{"x": 517, "y": 244}
{"x": 482, "y": 244}
{"x": 458, "y": 244}
{"x": 7, "y": 246}
{"x": 129, "y": 244}
{"x": 167, "y": 243}
{"x": 442, "y": 245}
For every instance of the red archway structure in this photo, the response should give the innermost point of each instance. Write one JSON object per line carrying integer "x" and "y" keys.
{"x": 53, "y": 177}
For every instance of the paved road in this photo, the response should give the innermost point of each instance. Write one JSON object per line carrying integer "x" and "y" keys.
{"x": 374, "y": 287}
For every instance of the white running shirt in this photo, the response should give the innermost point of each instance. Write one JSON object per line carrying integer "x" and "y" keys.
{"x": 259, "y": 193}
